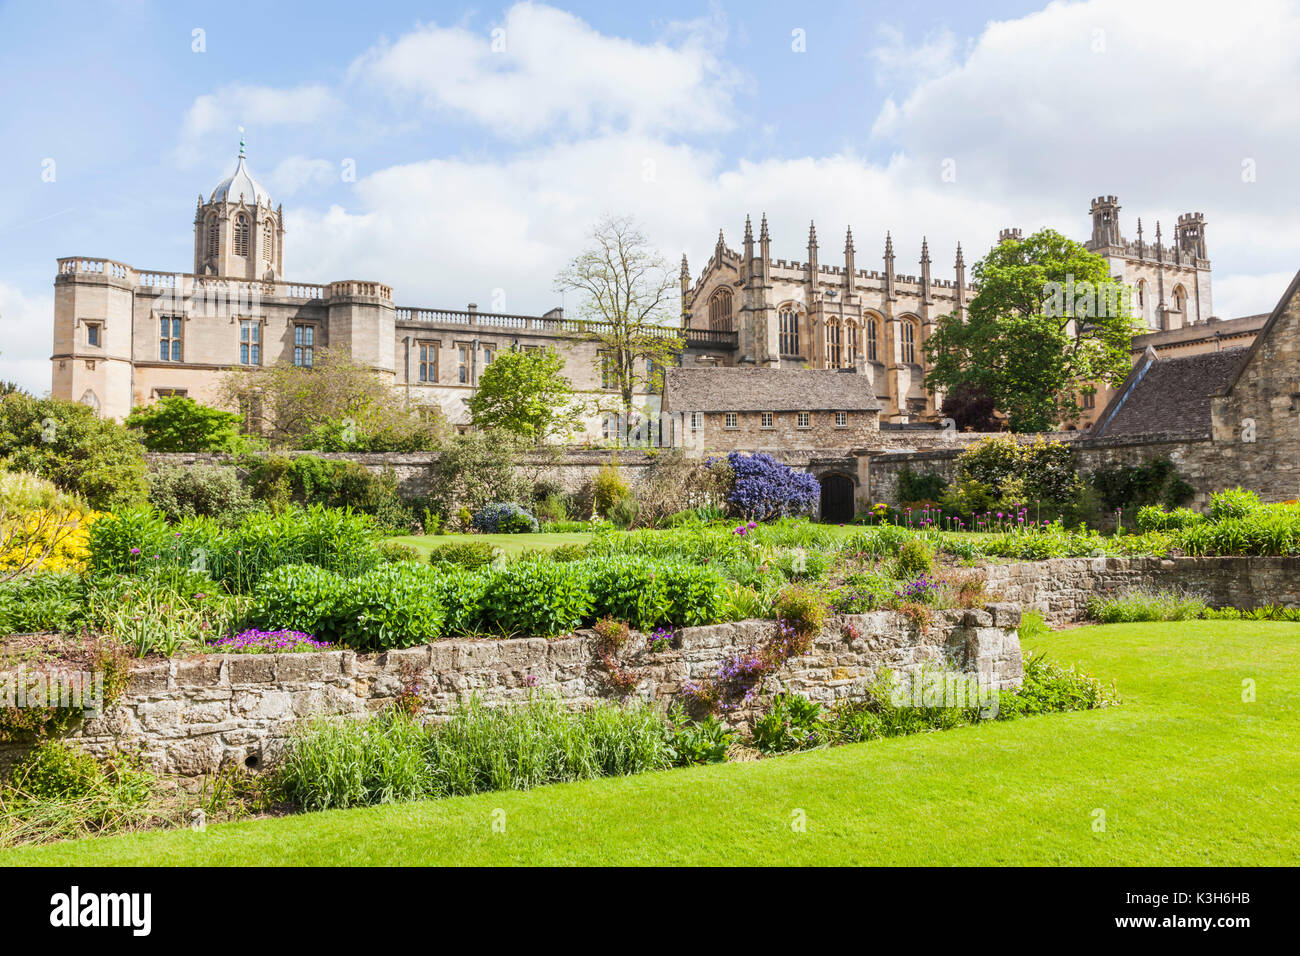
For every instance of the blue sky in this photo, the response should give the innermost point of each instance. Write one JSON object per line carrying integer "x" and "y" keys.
{"x": 478, "y": 170}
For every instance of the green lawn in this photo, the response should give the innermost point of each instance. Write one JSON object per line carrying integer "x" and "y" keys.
{"x": 1185, "y": 771}
{"x": 511, "y": 544}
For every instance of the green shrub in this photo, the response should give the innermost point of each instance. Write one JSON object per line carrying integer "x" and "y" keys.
{"x": 349, "y": 763}
{"x": 551, "y": 508}
{"x": 462, "y": 594}
{"x": 43, "y": 601}
{"x": 91, "y": 457}
{"x": 647, "y": 593}
{"x": 297, "y": 598}
{"x": 1139, "y": 605}
{"x": 464, "y": 554}
{"x": 396, "y": 605}
{"x": 207, "y": 491}
{"x": 568, "y": 552}
{"x": 537, "y": 598}
{"x": 802, "y": 608}
{"x": 791, "y": 722}
{"x": 478, "y": 749}
{"x": 178, "y": 423}
{"x": 64, "y": 799}
{"x": 56, "y": 769}
{"x": 1233, "y": 503}
{"x": 1155, "y": 482}
{"x": 394, "y": 552}
{"x": 1156, "y": 518}
{"x": 914, "y": 487}
{"x": 609, "y": 488}
{"x": 698, "y": 741}
{"x": 914, "y": 559}
{"x": 1051, "y": 688}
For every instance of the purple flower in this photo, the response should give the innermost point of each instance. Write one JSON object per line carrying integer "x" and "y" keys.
{"x": 135, "y": 550}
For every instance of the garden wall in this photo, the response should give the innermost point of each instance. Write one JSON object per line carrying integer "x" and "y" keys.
{"x": 570, "y": 468}
{"x": 1059, "y": 588}
{"x": 1206, "y": 465}
{"x": 195, "y": 716}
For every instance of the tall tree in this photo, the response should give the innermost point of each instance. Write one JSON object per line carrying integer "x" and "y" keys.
{"x": 524, "y": 392}
{"x": 1047, "y": 325}
{"x": 627, "y": 305}
{"x": 338, "y": 404}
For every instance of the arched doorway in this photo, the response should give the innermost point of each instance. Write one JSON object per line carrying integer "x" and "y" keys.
{"x": 837, "y": 499}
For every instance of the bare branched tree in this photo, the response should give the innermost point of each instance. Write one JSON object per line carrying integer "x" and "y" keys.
{"x": 627, "y": 305}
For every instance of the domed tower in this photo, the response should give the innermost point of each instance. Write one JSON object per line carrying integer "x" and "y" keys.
{"x": 237, "y": 232}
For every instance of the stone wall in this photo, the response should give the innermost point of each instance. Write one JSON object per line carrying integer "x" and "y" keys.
{"x": 570, "y": 467}
{"x": 194, "y": 716}
{"x": 1198, "y": 460}
{"x": 1059, "y": 589}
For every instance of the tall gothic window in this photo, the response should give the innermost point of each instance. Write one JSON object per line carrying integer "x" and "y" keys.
{"x": 833, "y": 353}
{"x": 1180, "y": 303}
{"x": 851, "y": 352}
{"x": 720, "y": 311}
{"x": 872, "y": 329}
{"x": 214, "y": 237}
{"x": 909, "y": 342}
{"x": 268, "y": 241}
{"x": 241, "y": 235}
{"x": 789, "y": 328}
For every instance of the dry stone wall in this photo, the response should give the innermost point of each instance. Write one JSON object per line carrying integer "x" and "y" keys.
{"x": 195, "y": 716}
{"x": 1059, "y": 589}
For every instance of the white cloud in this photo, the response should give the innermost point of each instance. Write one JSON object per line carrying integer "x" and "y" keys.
{"x": 223, "y": 112}
{"x": 296, "y": 173}
{"x": 447, "y": 232}
{"x": 25, "y": 328}
{"x": 897, "y": 63}
{"x": 1238, "y": 295}
{"x": 545, "y": 70}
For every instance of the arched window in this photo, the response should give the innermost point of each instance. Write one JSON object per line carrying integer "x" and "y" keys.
{"x": 720, "y": 311}
{"x": 789, "y": 322}
{"x": 872, "y": 332}
{"x": 909, "y": 342}
{"x": 214, "y": 237}
{"x": 268, "y": 240}
{"x": 851, "y": 346}
{"x": 241, "y": 235}
{"x": 833, "y": 353}
{"x": 1180, "y": 303}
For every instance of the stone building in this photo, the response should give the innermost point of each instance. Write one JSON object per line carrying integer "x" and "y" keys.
{"x": 792, "y": 314}
{"x": 124, "y": 336}
{"x": 760, "y": 409}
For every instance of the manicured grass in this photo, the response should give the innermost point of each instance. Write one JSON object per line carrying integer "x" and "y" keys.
{"x": 1185, "y": 771}
{"x": 511, "y": 544}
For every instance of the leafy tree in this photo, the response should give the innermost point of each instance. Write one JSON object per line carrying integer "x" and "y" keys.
{"x": 1047, "y": 323}
{"x": 178, "y": 423}
{"x": 96, "y": 459}
{"x": 626, "y": 308}
{"x": 525, "y": 393}
{"x": 477, "y": 469}
{"x": 339, "y": 404}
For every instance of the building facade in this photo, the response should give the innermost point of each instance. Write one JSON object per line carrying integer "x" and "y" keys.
{"x": 125, "y": 336}
{"x": 793, "y": 314}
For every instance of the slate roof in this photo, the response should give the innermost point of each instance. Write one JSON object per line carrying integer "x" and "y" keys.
{"x": 1168, "y": 395}
{"x": 766, "y": 390}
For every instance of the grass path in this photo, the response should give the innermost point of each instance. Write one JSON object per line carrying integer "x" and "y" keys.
{"x": 1185, "y": 771}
